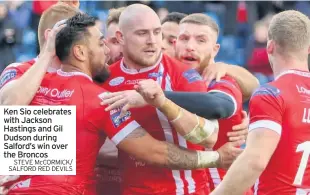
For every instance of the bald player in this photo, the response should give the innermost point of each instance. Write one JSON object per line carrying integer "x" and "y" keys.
{"x": 141, "y": 39}
{"x": 170, "y": 29}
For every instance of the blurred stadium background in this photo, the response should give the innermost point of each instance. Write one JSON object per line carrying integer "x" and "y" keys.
{"x": 243, "y": 27}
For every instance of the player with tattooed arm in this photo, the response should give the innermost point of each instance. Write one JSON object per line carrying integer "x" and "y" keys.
{"x": 81, "y": 48}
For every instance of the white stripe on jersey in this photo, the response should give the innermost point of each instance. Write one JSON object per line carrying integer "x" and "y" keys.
{"x": 268, "y": 124}
{"x": 130, "y": 127}
{"x": 216, "y": 178}
{"x": 169, "y": 137}
{"x": 256, "y": 187}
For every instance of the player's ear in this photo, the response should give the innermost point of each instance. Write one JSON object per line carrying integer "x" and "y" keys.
{"x": 216, "y": 49}
{"x": 120, "y": 37}
{"x": 46, "y": 32}
{"x": 270, "y": 46}
{"x": 79, "y": 52}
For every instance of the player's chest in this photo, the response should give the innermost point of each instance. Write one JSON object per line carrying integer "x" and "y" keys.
{"x": 128, "y": 81}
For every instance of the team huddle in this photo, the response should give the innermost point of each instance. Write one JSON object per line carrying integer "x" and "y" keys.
{"x": 158, "y": 115}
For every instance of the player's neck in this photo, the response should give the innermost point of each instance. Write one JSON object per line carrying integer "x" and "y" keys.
{"x": 286, "y": 64}
{"x": 131, "y": 65}
{"x": 72, "y": 68}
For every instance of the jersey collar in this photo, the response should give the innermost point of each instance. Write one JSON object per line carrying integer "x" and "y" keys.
{"x": 142, "y": 70}
{"x": 68, "y": 74}
{"x": 292, "y": 71}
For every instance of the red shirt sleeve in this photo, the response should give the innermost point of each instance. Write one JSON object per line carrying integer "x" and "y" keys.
{"x": 190, "y": 80}
{"x": 229, "y": 87}
{"x": 266, "y": 109}
{"x": 109, "y": 122}
{"x": 9, "y": 74}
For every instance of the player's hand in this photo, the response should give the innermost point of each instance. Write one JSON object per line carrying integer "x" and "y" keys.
{"x": 228, "y": 153}
{"x": 124, "y": 99}
{"x": 73, "y": 3}
{"x": 4, "y": 180}
{"x": 240, "y": 132}
{"x": 214, "y": 71}
{"x": 50, "y": 48}
{"x": 151, "y": 92}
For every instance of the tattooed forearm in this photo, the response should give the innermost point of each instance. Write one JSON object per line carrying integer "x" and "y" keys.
{"x": 144, "y": 147}
{"x": 180, "y": 158}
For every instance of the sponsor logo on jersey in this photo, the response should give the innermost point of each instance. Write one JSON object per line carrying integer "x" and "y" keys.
{"x": 267, "y": 90}
{"x": 7, "y": 76}
{"x": 192, "y": 75}
{"x": 133, "y": 82}
{"x": 116, "y": 81}
{"x": 155, "y": 74}
{"x": 55, "y": 93}
{"x": 302, "y": 90}
{"x": 116, "y": 120}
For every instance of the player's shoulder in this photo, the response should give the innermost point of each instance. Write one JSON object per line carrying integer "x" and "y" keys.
{"x": 23, "y": 65}
{"x": 271, "y": 90}
{"x": 225, "y": 81}
{"x": 20, "y": 66}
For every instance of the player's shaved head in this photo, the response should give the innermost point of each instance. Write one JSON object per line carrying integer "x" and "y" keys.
{"x": 132, "y": 13}
{"x": 51, "y": 16}
{"x": 140, "y": 35}
{"x": 290, "y": 30}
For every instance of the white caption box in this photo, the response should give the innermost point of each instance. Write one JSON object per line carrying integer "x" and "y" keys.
{"x": 37, "y": 140}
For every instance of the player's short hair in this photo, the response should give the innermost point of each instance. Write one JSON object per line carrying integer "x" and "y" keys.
{"x": 51, "y": 16}
{"x": 174, "y": 17}
{"x": 114, "y": 15}
{"x": 76, "y": 29}
{"x": 290, "y": 30}
{"x": 201, "y": 19}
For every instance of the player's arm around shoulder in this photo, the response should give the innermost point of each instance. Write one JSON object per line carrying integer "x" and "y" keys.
{"x": 130, "y": 137}
{"x": 193, "y": 128}
{"x": 144, "y": 147}
{"x": 247, "y": 81}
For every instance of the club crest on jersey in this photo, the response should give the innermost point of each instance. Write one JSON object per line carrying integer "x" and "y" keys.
{"x": 116, "y": 81}
{"x": 192, "y": 75}
{"x": 267, "y": 90}
{"x": 155, "y": 74}
{"x": 7, "y": 76}
{"x": 116, "y": 120}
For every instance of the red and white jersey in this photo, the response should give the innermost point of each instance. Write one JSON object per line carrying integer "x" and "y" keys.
{"x": 283, "y": 106}
{"x": 92, "y": 122}
{"x": 140, "y": 178}
{"x": 14, "y": 71}
{"x": 230, "y": 87}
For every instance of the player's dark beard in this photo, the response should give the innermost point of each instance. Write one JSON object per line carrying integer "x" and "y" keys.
{"x": 102, "y": 75}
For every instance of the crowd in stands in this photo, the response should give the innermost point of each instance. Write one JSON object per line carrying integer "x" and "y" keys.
{"x": 243, "y": 35}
